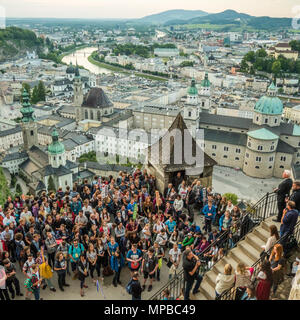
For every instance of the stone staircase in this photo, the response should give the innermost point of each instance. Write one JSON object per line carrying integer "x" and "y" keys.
{"x": 247, "y": 251}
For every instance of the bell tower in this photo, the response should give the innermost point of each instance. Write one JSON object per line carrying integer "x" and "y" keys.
{"x": 29, "y": 126}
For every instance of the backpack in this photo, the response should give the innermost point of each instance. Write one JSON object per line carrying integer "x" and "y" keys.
{"x": 19, "y": 250}
{"x": 129, "y": 287}
{"x": 28, "y": 283}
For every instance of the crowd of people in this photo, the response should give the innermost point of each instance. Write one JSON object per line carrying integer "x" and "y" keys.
{"x": 109, "y": 226}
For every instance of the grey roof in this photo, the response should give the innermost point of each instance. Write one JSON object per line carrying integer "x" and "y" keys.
{"x": 60, "y": 171}
{"x": 62, "y": 82}
{"x": 71, "y": 165}
{"x": 69, "y": 144}
{"x": 39, "y": 155}
{"x": 83, "y": 174}
{"x": 225, "y": 137}
{"x": 105, "y": 167}
{"x": 29, "y": 167}
{"x": 232, "y": 122}
{"x": 285, "y": 148}
{"x": 15, "y": 156}
{"x": 10, "y": 131}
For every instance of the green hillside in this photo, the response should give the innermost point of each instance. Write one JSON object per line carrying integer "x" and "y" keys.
{"x": 14, "y": 42}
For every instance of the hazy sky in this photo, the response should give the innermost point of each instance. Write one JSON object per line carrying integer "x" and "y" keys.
{"x": 140, "y": 8}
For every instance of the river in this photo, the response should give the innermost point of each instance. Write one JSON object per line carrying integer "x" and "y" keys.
{"x": 81, "y": 56}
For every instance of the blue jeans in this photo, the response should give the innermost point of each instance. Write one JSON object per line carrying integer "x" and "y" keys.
{"x": 36, "y": 293}
{"x": 189, "y": 285}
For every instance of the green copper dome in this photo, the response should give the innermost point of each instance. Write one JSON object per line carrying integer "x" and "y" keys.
{"x": 26, "y": 110}
{"x": 205, "y": 83}
{"x": 192, "y": 90}
{"x": 70, "y": 68}
{"x": 269, "y": 104}
{"x": 56, "y": 147}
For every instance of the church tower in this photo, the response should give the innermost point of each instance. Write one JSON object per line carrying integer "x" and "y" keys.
{"x": 56, "y": 150}
{"x": 205, "y": 93}
{"x": 29, "y": 126}
{"x": 78, "y": 92}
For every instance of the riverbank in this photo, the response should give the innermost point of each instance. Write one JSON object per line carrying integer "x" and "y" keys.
{"x": 124, "y": 71}
{"x": 61, "y": 56}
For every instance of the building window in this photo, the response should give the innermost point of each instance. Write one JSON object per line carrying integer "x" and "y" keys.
{"x": 260, "y": 148}
{"x": 31, "y": 132}
{"x": 272, "y": 147}
{"x": 237, "y": 158}
{"x": 247, "y": 155}
{"x": 225, "y": 148}
{"x": 257, "y": 167}
{"x": 258, "y": 159}
{"x": 225, "y": 157}
{"x": 238, "y": 150}
{"x": 246, "y": 163}
{"x": 66, "y": 183}
{"x": 271, "y": 158}
{"x": 190, "y": 113}
{"x": 256, "y": 118}
{"x": 270, "y": 167}
{"x": 282, "y": 159}
{"x": 275, "y": 120}
{"x": 266, "y": 120}
{"x": 213, "y": 154}
{"x": 281, "y": 167}
{"x": 286, "y": 137}
{"x": 214, "y": 147}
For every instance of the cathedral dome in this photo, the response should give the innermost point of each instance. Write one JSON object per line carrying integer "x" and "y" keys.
{"x": 56, "y": 147}
{"x": 269, "y": 104}
{"x": 96, "y": 98}
{"x": 70, "y": 69}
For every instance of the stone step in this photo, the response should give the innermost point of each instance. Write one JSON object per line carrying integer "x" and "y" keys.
{"x": 254, "y": 241}
{"x": 202, "y": 295}
{"x": 249, "y": 250}
{"x": 210, "y": 277}
{"x": 208, "y": 290}
{"x": 240, "y": 256}
{"x": 261, "y": 233}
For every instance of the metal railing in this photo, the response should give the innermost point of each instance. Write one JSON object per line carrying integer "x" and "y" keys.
{"x": 253, "y": 216}
{"x": 286, "y": 239}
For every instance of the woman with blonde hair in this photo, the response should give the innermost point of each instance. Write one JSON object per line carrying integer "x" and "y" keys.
{"x": 224, "y": 280}
{"x": 243, "y": 276}
{"x": 277, "y": 265}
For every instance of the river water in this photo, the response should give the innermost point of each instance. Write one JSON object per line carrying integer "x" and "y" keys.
{"x": 81, "y": 56}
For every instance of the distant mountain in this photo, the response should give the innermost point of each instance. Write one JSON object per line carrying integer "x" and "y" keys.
{"x": 163, "y": 17}
{"x": 231, "y": 17}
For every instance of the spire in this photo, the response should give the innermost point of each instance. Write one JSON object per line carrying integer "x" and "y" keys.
{"x": 192, "y": 90}
{"x": 26, "y": 110}
{"x": 272, "y": 89}
{"x": 205, "y": 82}
{"x": 56, "y": 147}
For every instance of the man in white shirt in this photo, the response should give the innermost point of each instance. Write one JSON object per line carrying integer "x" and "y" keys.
{"x": 26, "y": 214}
{"x": 9, "y": 219}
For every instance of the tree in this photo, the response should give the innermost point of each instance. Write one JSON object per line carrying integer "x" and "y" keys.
{"x": 34, "y": 96}
{"x": 19, "y": 190}
{"x": 41, "y": 91}
{"x": 4, "y": 189}
{"x": 51, "y": 185}
{"x": 276, "y": 68}
{"x": 232, "y": 197}
{"x": 13, "y": 181}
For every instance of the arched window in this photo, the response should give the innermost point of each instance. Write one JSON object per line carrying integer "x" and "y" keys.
{"x": 92, "y": 115}
{"x": 98, "y": 115}
{"x": 86, "y": 115}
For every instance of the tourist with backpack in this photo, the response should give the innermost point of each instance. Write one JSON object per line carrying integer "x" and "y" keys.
{"x": 36, "y": 281}
{"x": 149, "y": 267}
{"x": 134, "y": 287}
{"x": 75, "y": 251}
